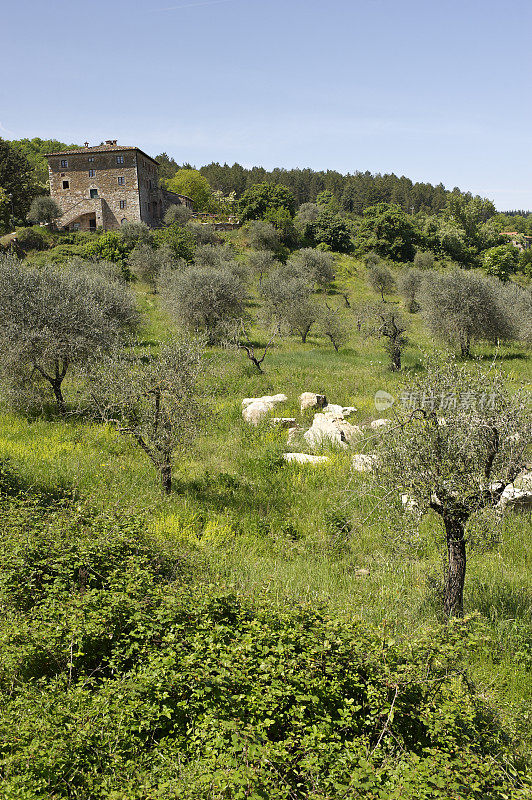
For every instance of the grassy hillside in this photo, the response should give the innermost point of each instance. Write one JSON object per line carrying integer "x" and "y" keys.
{"x": 250, "y": 524}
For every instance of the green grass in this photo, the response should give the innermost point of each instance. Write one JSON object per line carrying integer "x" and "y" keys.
{"x": 261, "y": 525}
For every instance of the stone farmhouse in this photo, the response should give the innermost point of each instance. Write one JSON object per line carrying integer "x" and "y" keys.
{"x": 108, "y": 185}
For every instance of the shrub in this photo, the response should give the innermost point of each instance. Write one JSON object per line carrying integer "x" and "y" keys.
{"x": 32, "y": 239}
{"x": 501, "y": 261}
{"x": 181, "y": 241}
{"x": 123, "y": 679}
{"x": 109, "y": 246}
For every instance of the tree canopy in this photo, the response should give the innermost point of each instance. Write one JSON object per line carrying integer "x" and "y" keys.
{"x": 264, "y": 198}
{"x": 193, "y": 184}
{"x": 388, "y": 231}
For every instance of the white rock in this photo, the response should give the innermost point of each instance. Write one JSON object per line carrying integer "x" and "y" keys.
{"x": 329, "y": 429}
{"x": 409, "y": 504}
{"x": 254, "y": 409}
{"x": 339, "y": 411}
{"x": 294, "y": 434}
{"x": 273, "y": 399}
{"x": 311, "y": 400}
{"x": 332, "y": 408}
{"x": 305, "y": 458}
{"x": 348, "y": 432}
{"x": 362, "y": 572}
{"x": 255, "y": 412}
{"x": 283, "y": 422}
{"x": 325, "y": 430}
{"x": 363, "y": 462}
{"x": 379, "y": 423}
{"x": 517, "y": 495}
{"x": 348, "y": 410}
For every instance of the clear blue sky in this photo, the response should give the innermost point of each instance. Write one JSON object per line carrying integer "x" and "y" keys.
{"x": 436, "y": 91}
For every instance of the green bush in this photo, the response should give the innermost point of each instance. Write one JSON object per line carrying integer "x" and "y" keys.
{"x": 57, "y": 255}
{"x": 123, "y": 678}
{"x": 109, "y": 246}
{"x": 32, "y": 239}
{"x": 181, "y": 241}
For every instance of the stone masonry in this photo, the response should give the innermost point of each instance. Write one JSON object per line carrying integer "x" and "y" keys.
{"x": 107, "y": 185}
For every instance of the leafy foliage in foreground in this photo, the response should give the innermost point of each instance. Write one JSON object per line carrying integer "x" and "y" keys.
{"x": 123, "y": 676}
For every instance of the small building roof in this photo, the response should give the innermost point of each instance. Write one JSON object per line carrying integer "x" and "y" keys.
{"x": 101, "y": 148}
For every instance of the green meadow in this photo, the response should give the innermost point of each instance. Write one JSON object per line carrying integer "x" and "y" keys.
{"x": 260, "y": 527}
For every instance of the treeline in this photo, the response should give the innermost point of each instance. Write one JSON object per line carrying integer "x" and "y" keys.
{"x": 354, "y": 191}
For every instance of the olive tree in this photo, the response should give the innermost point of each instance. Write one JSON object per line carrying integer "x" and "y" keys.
{"x": 424, "y": 259}
{"x": 385, "y": 322}
{"x": 409, "y": 286}
{"x": 241, "y": 338}
{"x": 380, "y": 278}
{"x": 147, "y": 264}
{"x": 315, "y": 265}
{"x": 518, "y": 306}
{"x": 261, "y": 262}
{"x": 262, "y": 235}
{"x": 53, "y": 321}
{"x": 204, "y": 299}
{"x": 151, "y": 397}
{"x": 44, "y": 209}
{"x": 307, "y": 213}
{"x": 461, "y": 308}
{"x": 288, "y": 300}
{"x": 460, "y": 438}
{"x": 334, "y": 324}
{"x": 134, "y": 233}
{"x": 203, "y": 232}
{"x": 178, "y": 214}
{"x": 216, "y": 256}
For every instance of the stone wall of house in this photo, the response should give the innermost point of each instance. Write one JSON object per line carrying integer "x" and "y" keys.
{"x": 112, "y": 176}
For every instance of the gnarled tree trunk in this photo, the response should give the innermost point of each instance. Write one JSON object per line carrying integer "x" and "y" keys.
{"x": 166, "y": 473}
{"x": 456, "y": 565}
{"x": 58, "y": 394}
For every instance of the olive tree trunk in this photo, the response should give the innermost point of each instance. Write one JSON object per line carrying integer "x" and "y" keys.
{"x": 58, "y": 394}
{"x": 166, "y": 473}
{"x": 456, "y": 566}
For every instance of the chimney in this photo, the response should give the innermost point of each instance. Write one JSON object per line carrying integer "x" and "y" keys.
{"x": 110, "y": 142}
{"x": 85, "y": 144}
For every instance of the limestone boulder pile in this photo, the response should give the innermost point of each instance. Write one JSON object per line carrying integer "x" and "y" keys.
{"x": 328, "y": 428}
